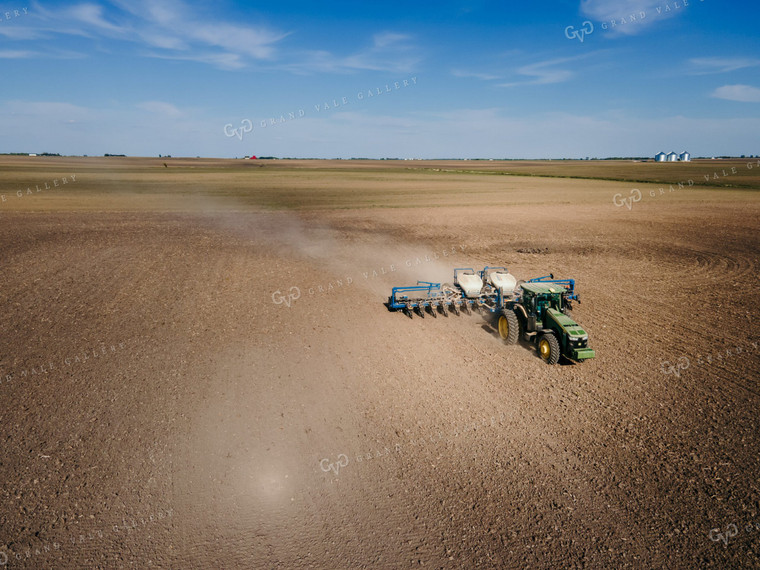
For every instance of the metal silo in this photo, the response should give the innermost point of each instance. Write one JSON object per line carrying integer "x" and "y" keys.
{"x": 660, "y": 157}
{"x": 684, "y": 157}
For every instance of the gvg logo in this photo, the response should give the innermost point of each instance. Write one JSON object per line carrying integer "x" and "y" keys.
{"x": 326, "y": 466}
{"x": 246, "y": 125}
{"x": 635, "y": 196}
{"x": 586, "y": 30}
{"x": 731, "y": 531}
{"x": 682, "y": 364}
{"x": 294, "y": 293}
{"x": 242, "y": 129}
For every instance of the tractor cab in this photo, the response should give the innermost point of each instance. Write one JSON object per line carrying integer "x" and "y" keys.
{"x": 537, "y": 298}
{"x": 544, "y": 307}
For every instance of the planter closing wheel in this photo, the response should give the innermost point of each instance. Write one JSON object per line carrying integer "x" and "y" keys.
{"x": 548, "y": 349}
{"x": 509, "y": 327}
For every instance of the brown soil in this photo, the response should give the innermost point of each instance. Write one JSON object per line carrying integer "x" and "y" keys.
{"x": 160, "y": 408}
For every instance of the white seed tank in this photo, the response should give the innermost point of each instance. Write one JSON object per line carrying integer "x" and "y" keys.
{"x": 504, "y": 281}
{"x": 471, "y": 284}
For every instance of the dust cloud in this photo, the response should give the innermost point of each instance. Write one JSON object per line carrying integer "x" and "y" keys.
{"x": 376, "y": 263}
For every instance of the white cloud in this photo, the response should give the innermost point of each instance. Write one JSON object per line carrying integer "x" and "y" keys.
{"x": 170, "y": 27}
{"x": 742, "y": 93}
{"x": 36, "y": 114}
{"x": 26, "y": 54}
{"x": 546, "y": 72}
{"x": 390, "y": 51}
{"x": 229, "y": 61}
{"x": 708, "y": 65}
{"x": 160, "y": 108}
{"x": 614, "y": 9}
{"x": 16, "y": 54}
{"x": 476, "y": 75}
{"x": 174, "y": 18}
{"x": 43, "y": 108}
{"x": 91, "y": 14}
{"x": 173, "y": 29}
{"x": 389, "y": 38}
{"x": 631, "y": 17}
{"x": 164, "y": 41}
{"x": 256, "y": 43}
{"x": 20, "y": 32}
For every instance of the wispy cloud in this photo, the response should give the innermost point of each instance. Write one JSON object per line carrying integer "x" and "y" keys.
{"x": 610, "y": 9}
{"x": 474, "y": 74}
{"x": 175, "y": 17}
{"x": 709, "y": 65}
{"x": 27, "y": 54}
{"x": 160, "y": 108}
{"x": 53, "y": 111}
{"x": 16, "y": 54}
{"x": 228, "y": 61}
{"x": 637, "y": 15}
{"x": 91, "y": 14}
{"x": 170, "y": 28}
{"x": 176, "y": 30}
{"x": 388, "y": 39}
{"x": 389, "y": 51}
{"x": 546, "y": 72}
{"x": 255, "y": 43}
{"x": 741, "y": 93}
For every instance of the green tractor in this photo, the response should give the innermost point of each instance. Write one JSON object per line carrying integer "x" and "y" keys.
{"x": 539, "y": 313}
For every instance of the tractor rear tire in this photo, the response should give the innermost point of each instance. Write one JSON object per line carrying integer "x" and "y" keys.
{"x": 548, "y": 349}
{"x": 509, "y": 327}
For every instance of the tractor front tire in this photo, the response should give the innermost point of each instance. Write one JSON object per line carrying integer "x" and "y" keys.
{"x": 548, "y": 349}
{"x": 509, "y": 327}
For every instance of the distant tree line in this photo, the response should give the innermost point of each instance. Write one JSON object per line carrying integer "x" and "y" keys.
{"x": 28, "y": 153}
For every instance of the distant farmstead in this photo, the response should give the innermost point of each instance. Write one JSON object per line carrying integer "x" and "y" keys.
{"x": 672, "y": 157}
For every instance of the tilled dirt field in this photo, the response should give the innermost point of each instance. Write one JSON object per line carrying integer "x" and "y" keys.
{"x": 226, "y": 389}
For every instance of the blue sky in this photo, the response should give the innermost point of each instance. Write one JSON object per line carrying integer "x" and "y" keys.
{"x": 475, "y": 78}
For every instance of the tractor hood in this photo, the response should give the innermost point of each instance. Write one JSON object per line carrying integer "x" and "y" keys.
{"x": 573, "y": 329}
